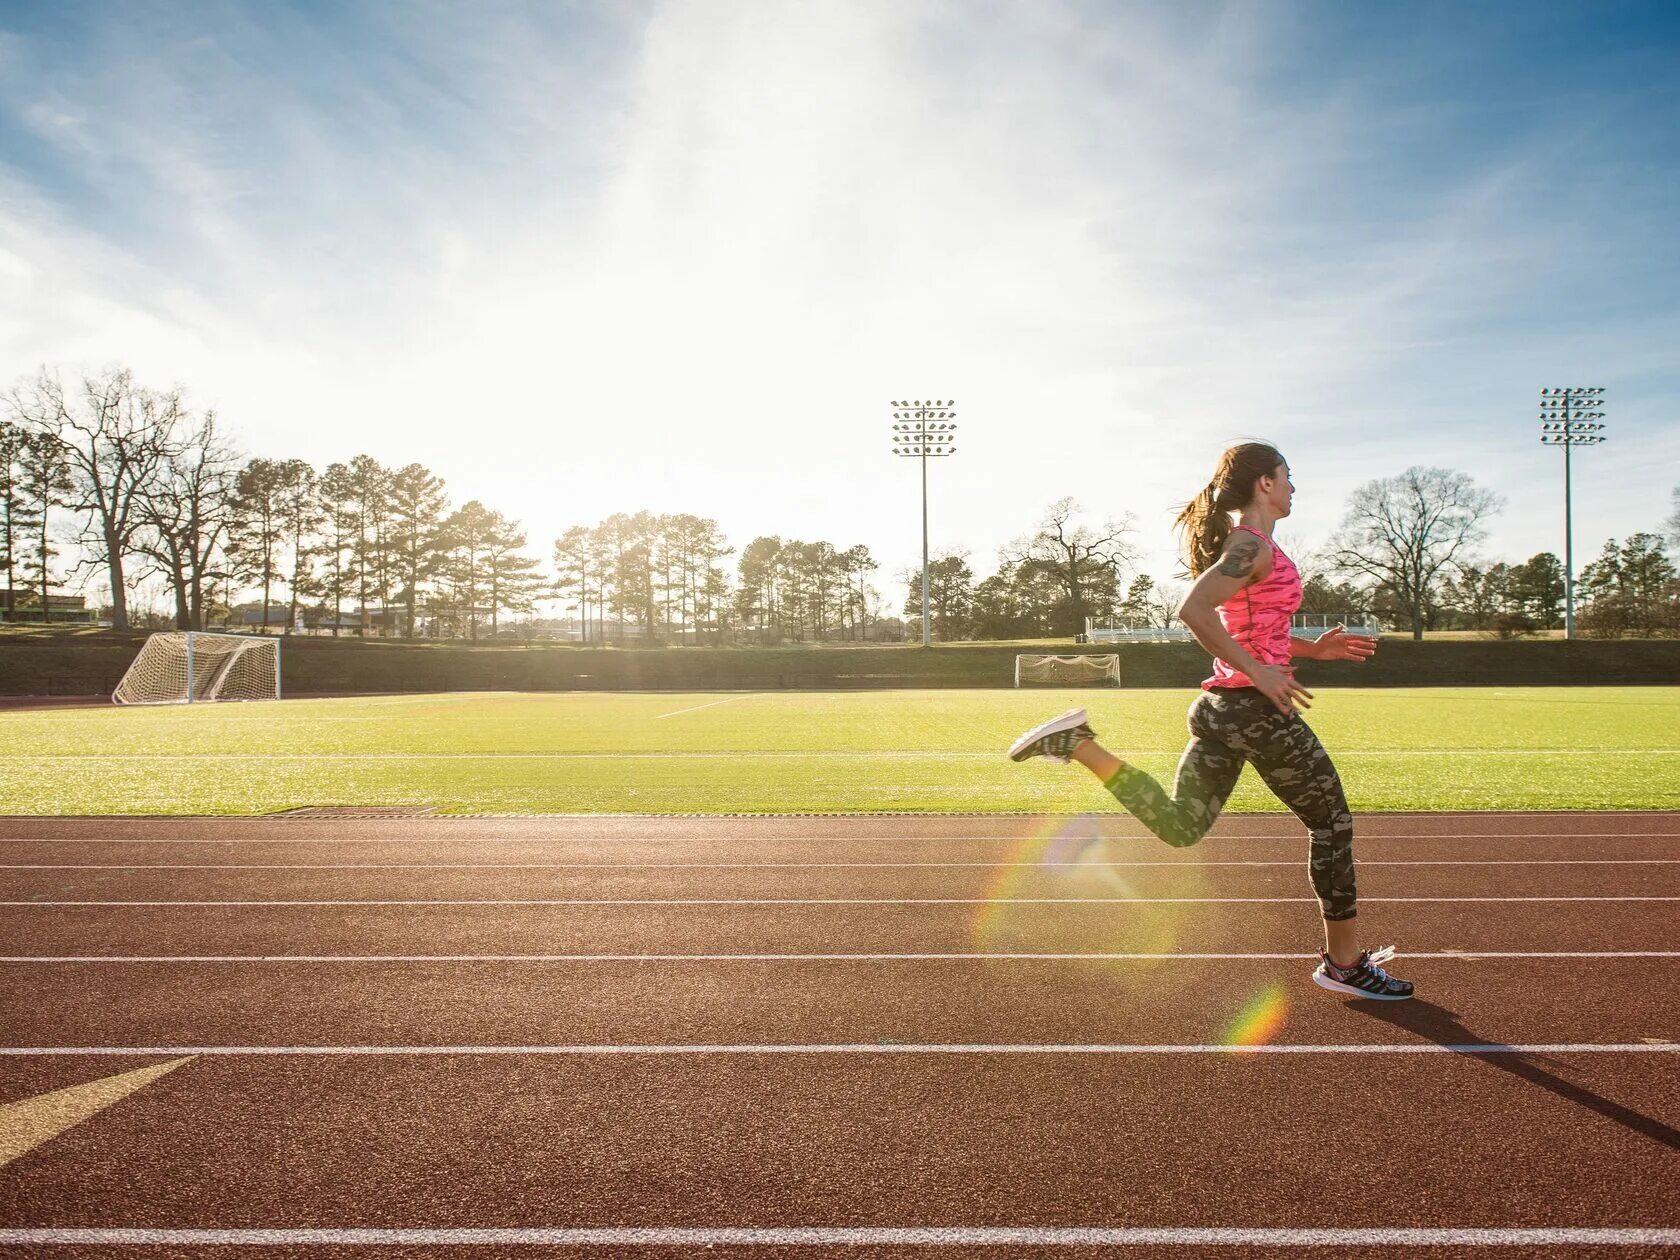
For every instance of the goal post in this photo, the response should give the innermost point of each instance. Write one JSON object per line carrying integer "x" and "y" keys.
{"x": 1101, "y": 670}
{"x": 192, "y": 667}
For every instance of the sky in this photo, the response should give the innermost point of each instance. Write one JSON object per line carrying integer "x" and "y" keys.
{"x": 681, "y": 255}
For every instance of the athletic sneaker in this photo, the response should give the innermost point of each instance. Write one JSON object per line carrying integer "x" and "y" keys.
{"x": 1365, "y": 978}
{"x": 1054, "y": 739}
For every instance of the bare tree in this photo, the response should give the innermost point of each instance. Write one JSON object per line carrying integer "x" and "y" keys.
{"x": 1671, "y": 526}
{"x": 1404, "y": 533}
{"x": 1084, "y": 561}
{"x": 115, "y": 438}
{"x": 187, "y": 511}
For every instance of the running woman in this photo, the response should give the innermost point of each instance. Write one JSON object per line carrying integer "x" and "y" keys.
{"x": 1245, "y": 594}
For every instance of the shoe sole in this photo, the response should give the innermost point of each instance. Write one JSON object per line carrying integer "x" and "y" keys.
{"x": 1336, "y": 986}
{"x": 1066, "y": 722}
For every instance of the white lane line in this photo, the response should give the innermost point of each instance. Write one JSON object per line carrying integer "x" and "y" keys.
{"x": 806, "y": 901}
{"x": 292, "y": 841}
{"x": 1094, "y": 864}
{"x": 712, "y": 705}
{"x": 1419, "y": 1047}
{"x": 778, "y": 754}
{"x": 1455, "y": 955}
{"x": 692, "y": 1237}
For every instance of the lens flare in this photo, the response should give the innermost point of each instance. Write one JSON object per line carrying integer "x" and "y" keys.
{"x": 1071, "y": 857}
{"x": 1260, "y": 1019}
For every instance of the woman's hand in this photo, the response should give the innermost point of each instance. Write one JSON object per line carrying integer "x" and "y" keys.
{"x": 1338, "y": 645}
{"x": 1278, "y": 687}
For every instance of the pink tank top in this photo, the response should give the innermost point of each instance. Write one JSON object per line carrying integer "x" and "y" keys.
{"x": 1258, "y": 617}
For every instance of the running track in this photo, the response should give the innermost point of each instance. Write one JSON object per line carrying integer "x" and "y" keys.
{"x": 831, "y": 1036}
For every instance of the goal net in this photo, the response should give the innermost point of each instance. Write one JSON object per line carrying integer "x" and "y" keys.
{"x": 1067, "y": 671}
{"x": 187, "y": 667}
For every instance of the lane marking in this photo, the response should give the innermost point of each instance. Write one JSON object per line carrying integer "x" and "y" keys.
{"x": 864, "y": 1235}
{"x": 678, "y": 713}
{"x": 27, "y": 1124}
{"x": 1465, "y": 955}
{"x": 1419, "y": 1047}
{"x": 780, "y": 754}
{"x": 808, "y": 901}
{"x": 1367, "y": 837}
{"x": 1093, "y": 864}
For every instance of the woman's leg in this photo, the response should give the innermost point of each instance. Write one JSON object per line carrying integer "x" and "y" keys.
{"x": 1207, "y": 772}
{"x": 1295, "y": 766}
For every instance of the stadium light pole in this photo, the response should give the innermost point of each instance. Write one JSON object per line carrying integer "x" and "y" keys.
{"x": 1570, "y": 417}
{"x": 924, "y": 430}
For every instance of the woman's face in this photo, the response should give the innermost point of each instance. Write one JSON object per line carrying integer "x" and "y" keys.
{"x": 1277, "y": 491}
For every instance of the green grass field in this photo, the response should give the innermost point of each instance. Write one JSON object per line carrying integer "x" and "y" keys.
{"x": 1543, "y": 748}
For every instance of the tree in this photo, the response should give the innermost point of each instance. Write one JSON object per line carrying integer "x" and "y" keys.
{"x": 300, "y": 514}
{"x": 16, "y": 521}
{"x": 1481, "y": 593}
{"x": 1630, "y": 590}
{"x": 467, "y": 536}
{"x": 510, "y": 577}
{"x": 574, "y": 562}
{"x": 857, "y": 564}
{"x": 1671, "y": 526}
{"x": 188, "y": 511}
{"x": 950, "y": 595}
{"x": 46, "y": 483}
{"x": 1405, "y": 532}
{"x": 340, "y": 515}
{"x": 756, "y": 597}
{"x": 417, "y": 505}
{"x": 1537, "y": 588}
{"x": 261, "y": 499}
{"x": 1083, "y": 561}
{"x": 116, "y": 439}
{"x": 370, "y": 488}
{"x": 1321, "y": 595}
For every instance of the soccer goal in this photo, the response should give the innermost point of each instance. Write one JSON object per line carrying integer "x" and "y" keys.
{"x": 1067, "y": 671}
{"x": 189, "y": 667}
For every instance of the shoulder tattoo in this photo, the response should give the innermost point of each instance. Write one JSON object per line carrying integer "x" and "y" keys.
{"x": 1239, "y": 557}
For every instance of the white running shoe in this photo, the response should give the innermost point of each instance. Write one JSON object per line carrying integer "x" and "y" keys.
{"x": 1365, "y": 978}
{"x": 1054, "y": 739}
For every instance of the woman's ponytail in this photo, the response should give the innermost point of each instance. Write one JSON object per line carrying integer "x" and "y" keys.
{"x": 1206, "y": 519}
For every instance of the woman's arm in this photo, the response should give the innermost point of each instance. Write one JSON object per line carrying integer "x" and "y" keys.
{"x": 1334, "y": 645}
{"x": 1243, "y": 561}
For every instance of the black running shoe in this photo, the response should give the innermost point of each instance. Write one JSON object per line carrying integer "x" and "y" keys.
{"x": 1365, "y": 978}
{"x": 1054, "y": 739}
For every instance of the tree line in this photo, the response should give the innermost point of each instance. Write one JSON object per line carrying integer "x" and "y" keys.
{"x": 1406, "y": 552}
{"x": 152, "y": 490}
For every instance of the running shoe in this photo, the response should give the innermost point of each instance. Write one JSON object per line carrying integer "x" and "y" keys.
{"x": 1365, "y": 978}
{"x": 1054, "y": 739}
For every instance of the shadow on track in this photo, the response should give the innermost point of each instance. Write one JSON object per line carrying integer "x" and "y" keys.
{"x": 1444, "y": 1028}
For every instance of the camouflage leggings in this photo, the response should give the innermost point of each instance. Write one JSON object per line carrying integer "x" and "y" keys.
{"x": 1228, "y": 727}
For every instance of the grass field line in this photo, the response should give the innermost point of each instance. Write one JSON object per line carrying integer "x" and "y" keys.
{"x": 623, "y": 1237}
{"x": 893, "y": 754}
{"x": 889, "y": 1047}
{"x": 800, "y": 901}
{"x": 711, "y": 705}
{"x": 1456, "y": 955}
{"x": 1095, "y": 864}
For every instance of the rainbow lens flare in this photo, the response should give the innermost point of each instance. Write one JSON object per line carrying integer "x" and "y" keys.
{"x": 1260, "y": 1020}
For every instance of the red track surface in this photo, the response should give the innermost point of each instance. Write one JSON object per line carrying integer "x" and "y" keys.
{"x": 887, "y": 1134}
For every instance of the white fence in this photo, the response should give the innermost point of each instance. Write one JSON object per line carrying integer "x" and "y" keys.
{"x": 1304, "y": 625}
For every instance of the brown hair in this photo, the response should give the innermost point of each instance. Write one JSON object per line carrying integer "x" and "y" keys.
{"x": 1206, "y": 519}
